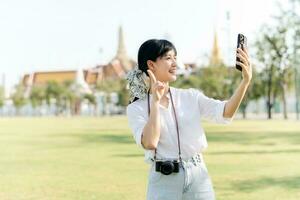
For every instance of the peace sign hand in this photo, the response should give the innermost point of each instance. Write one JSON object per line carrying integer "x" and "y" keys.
{"x": 157, "y": 87}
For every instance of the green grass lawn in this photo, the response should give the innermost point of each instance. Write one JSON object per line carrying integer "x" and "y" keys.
{"x": 96, "y": 158}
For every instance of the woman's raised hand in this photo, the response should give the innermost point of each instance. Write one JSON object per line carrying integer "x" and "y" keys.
{"x": 245, "y": 64}
{"x": 157, "y": 88}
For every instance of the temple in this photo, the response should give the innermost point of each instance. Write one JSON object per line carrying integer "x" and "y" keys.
{"x": 114, "y": 69}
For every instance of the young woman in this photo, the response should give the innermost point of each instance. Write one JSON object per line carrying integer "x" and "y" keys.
{"x": 165, "y": 122}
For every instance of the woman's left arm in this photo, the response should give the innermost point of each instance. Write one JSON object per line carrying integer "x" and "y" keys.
{"x": 234, "y": 102}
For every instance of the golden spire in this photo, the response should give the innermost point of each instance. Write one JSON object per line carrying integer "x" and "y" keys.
{"x": 122, "y": 56}
{"x": 215, "y": 58}
{"x": 121, "y": 53}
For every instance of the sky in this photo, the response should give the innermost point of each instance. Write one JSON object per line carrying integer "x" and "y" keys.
{"x": 45, "y": 35}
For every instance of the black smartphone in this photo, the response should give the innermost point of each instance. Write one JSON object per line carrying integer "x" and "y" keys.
{"x": 241, "y": 43}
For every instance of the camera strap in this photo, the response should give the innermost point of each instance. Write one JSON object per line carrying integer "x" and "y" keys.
{"x": 177, "y": 129}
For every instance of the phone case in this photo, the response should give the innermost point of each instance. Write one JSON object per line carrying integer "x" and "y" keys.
{"x": 241, "y": 43}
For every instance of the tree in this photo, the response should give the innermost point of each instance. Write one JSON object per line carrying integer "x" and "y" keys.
{"x": 114, "y": 85}
{"x": 109, "y": 85}
{"x": 91, "y": 100}
{"x": 18, "y": 98}
{"x": 55, "y": 91}
{"x": 253, "y": 92}
{"x": 274, "y": 54}
{"x": 221, "y": 82}
{"x": 215, "y": 82}
{"x": 192, "y": 81}
{"x": 123, "y": 93}
{"x": 2, "y": 96}
{"x": 294, "y": 19}
{"x": 71, "y": 97}
{"x": 278, "y": 48}
{"x": 37, "y": 95}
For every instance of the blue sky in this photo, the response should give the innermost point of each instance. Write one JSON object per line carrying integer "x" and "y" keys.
{"x": 39, "y": 35}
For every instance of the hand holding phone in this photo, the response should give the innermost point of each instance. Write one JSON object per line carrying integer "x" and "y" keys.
{"x": 241, "y": 43}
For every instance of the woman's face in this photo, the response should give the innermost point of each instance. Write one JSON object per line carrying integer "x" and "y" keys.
{"x": 164, "y": 68}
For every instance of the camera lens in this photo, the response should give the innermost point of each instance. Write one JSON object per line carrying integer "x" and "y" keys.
{"x": 167, "y": 167}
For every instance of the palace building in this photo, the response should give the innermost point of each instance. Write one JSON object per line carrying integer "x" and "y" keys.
{"x": 115, "y": 69}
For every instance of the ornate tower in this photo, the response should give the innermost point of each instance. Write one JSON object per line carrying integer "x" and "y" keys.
{"x": 122, "y": 56}
{"x": 121, "y": 46}
{"x": 215, "y": 58}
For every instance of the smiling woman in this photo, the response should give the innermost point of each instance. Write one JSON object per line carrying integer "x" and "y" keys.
{"x": 165, "y": 122}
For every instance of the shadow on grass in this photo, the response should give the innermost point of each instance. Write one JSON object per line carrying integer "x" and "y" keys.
{"x": 264, "y": 139}
{"x": 255, "y": 138}
{"x": 255, "y": 152}
{"x": 88, "y": 138}
{"x": 107, "y": 138}
{"x": 129, "y": 155}
{"x": 265, "y": 182}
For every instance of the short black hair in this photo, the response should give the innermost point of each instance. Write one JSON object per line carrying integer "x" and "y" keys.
{"x": 151, "y": 50}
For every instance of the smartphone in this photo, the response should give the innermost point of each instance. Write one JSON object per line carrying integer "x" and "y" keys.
{"x": 241, "y": 43}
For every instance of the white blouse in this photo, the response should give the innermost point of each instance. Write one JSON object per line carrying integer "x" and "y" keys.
{"x": 191, "y": 105}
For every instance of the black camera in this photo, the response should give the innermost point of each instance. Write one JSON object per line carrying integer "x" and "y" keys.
{"x": 167, "y": 167}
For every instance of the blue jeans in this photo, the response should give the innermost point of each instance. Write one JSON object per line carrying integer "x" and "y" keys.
{"x": 191, "y": 183}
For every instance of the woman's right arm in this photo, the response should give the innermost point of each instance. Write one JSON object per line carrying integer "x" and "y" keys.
{"x": 151, "y": 131}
